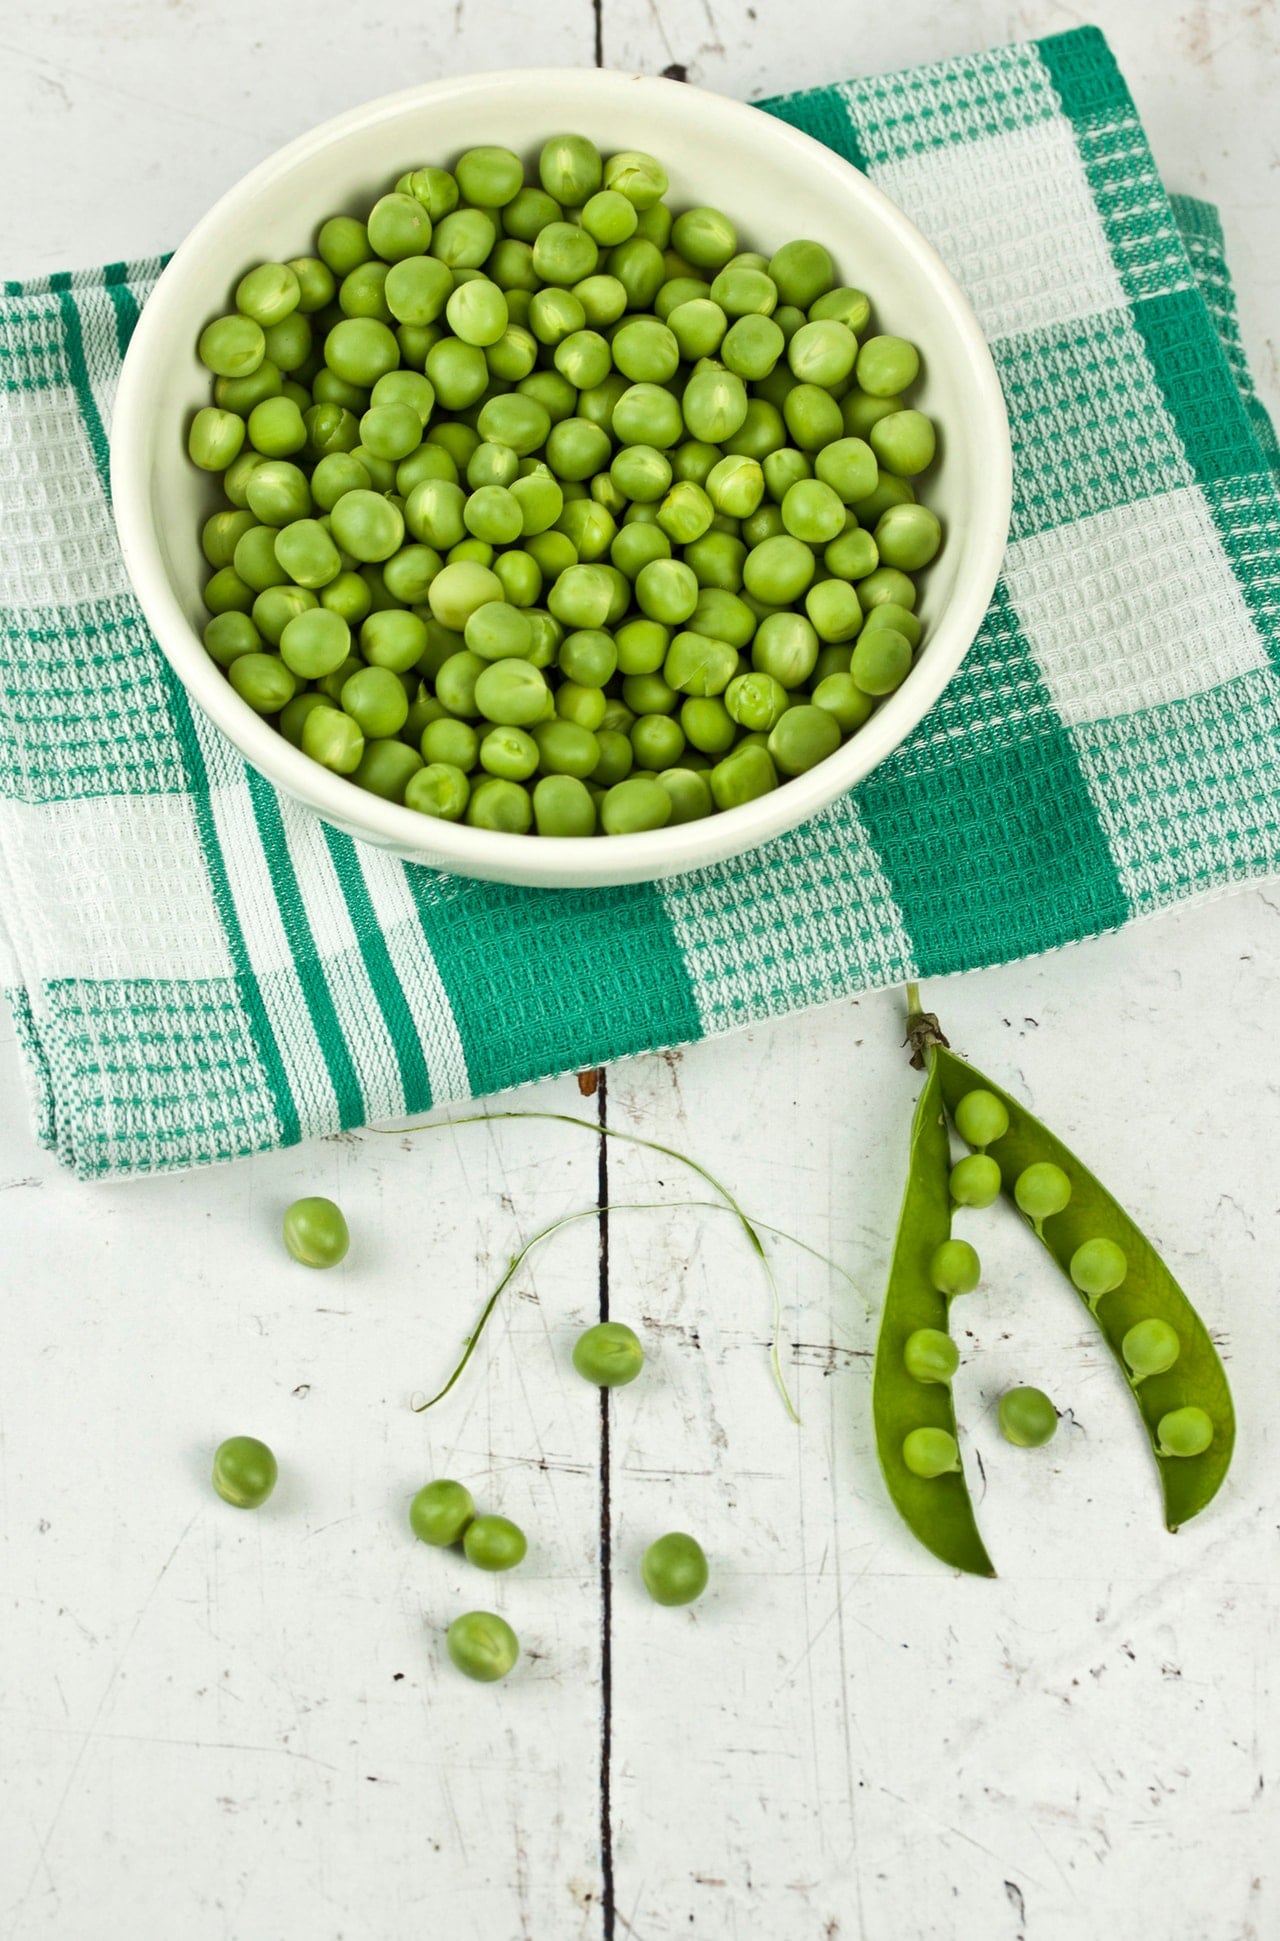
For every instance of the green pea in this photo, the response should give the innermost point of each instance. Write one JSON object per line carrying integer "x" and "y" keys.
{"x": 315, "y": 282}
{"x": 805, "y": 736}
{"x": 367, "y": 526}
{"x": 1042, "y": 1190}
{"x": 886, "y": 366}
{"x": 849, "y": 467}
{"x": 647, "y": 351}
{"x": 744, "y": 774}
{"x": 219, "y": 534}
{"x": 930, "y": 1356}
{"x": 510, "y": 693}
{"x": 834, "y": 611}
{"x": 907, "y": 537}
{"x": 929, "y": 1453}
{"x": 458, "y": 589}
{"x": 900, "y": 619}
{"x": 563, "y": 254}
{"x": 645, "y": 414}
{"x": 376, "y": 701}
{"x": 609, "y": 1355}
{"x": 904, "y": 442}
{"x": 714, "y": 404}
{"x": 314, "y": 643}
{"x": 387, "y": 767}
{"x": 1027, "y": 1417}
{"x": 852, "y": 556}
{"x": 721, "y": 614}
{"x": 756, "y": 701}
{"x": 215, "y": 438}
{"x": 803, "y": 271}
{"x": 240, "y": 394}
{"x": 881, "y": 661}
{"x": 697, "y": 327}
{"x": 293, "y": 716}
{"x": 459, "y": 373}
{"x": 633, "y": 806}
{"x": 489, "y": 177}
{"x": 704, "y": 237}
{"x": 399, "y": 227}
{"x": 263, "y": 681}
{"x": 1149, "y": 1348}
{"x": 779, "y": 570}
{"x": 364, "y": 293}
{"x": 509, "y": 753}
{"x": 441, "y": 1512}
{"x": 708, "y": 725}
{"x": 954, "y": 1268}
{"x": 666, "y": 591}
{"x": 1097, "y": 1267}
{"x": 1184, "y": 1432}
{"x": 244, "y": 1472}
{"x": 742, "y": 290}
{"x": 785, "y": 646}
{"x": 674, "y": 1569}
{"x": 333, "y": 739}
{"x": 735, "y": 485}
{"x": 717, "y": 560}
{"x": 230, "y": 635}
{"x": 586, "y": 707}
{"x": 449, "y": 741}
{"x": 348, "y": 595}
{"x": 752, "y": 346}
{"x": 813, "y": 512}
{"x": 439, "y": 789}
{"x": 343, "y": 244}
{"x": 276, "y": 428}
{"x": 841, "y": 696}
{"x": 232, "y": 346}
{"x": 637, "y": 175}
{"x": 500, "y": 805}
{"x": 482, "y": 1645}
{"x": 812, "y": 417}
{"x": 227, "y": 592}
{"x": 848, "y": 306}
{"x": 570, "y": 169}
{"x": 360, "y": 350}
{"x": 315, "y": 1232}
{"x": 975, "y": 1181}
{"x": 562, "y": 805}
{"x": 307, "y": 553}
{"x": 981, "y": 1118}
{"x": 617, "y": 758}
{"x": 822, "y": 353}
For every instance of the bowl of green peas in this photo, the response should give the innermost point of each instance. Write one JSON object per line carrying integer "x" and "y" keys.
{"x": 560, "y": 477}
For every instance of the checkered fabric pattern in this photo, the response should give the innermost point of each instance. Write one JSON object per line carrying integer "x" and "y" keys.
{"x": 198, "y": 968}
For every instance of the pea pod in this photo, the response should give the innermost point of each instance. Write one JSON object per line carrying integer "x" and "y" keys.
{"x": 937, "y": 1508}
{"x": 1196, "y": 1379}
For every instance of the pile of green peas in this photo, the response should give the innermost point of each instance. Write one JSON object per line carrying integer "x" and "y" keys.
{"x": 552, "y": 510}
{"x": 1098, "y": 1267}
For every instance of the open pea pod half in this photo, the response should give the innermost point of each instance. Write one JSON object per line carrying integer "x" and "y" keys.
{"x": 1149, "y": 1292}
{"x": 936, "y": 1508}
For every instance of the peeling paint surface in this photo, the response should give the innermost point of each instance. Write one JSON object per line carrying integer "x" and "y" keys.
{"x": 225, "y": 1726}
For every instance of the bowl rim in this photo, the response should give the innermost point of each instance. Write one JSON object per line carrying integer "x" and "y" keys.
{"x": 551, "y": 861}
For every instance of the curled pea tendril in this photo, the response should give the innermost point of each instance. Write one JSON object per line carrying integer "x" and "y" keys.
{"x": 752, "y": 1228}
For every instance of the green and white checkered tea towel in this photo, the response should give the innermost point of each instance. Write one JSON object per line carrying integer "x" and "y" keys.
{"x": 200, "y": 969}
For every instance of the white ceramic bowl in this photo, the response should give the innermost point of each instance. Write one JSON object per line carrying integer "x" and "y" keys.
{"x": 775, "y": 183}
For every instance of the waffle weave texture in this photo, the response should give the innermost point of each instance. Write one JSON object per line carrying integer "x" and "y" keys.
{"x": 199, "y": 969}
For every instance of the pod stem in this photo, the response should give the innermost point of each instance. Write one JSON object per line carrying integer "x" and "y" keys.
{"x": 923, "y": 1031}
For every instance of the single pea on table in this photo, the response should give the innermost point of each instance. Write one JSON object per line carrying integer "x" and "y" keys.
{"x": 470, "y": 444}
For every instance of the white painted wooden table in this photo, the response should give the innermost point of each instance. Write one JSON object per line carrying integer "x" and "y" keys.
{"x": 219, "y": 1725}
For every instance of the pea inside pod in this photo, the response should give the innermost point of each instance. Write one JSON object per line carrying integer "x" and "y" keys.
{"x": 1138, "y": 1306}
{"x": 914, "y": 1414}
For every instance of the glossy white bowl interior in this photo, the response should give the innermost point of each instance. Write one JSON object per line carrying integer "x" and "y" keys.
{"x": 775, "y": 183}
